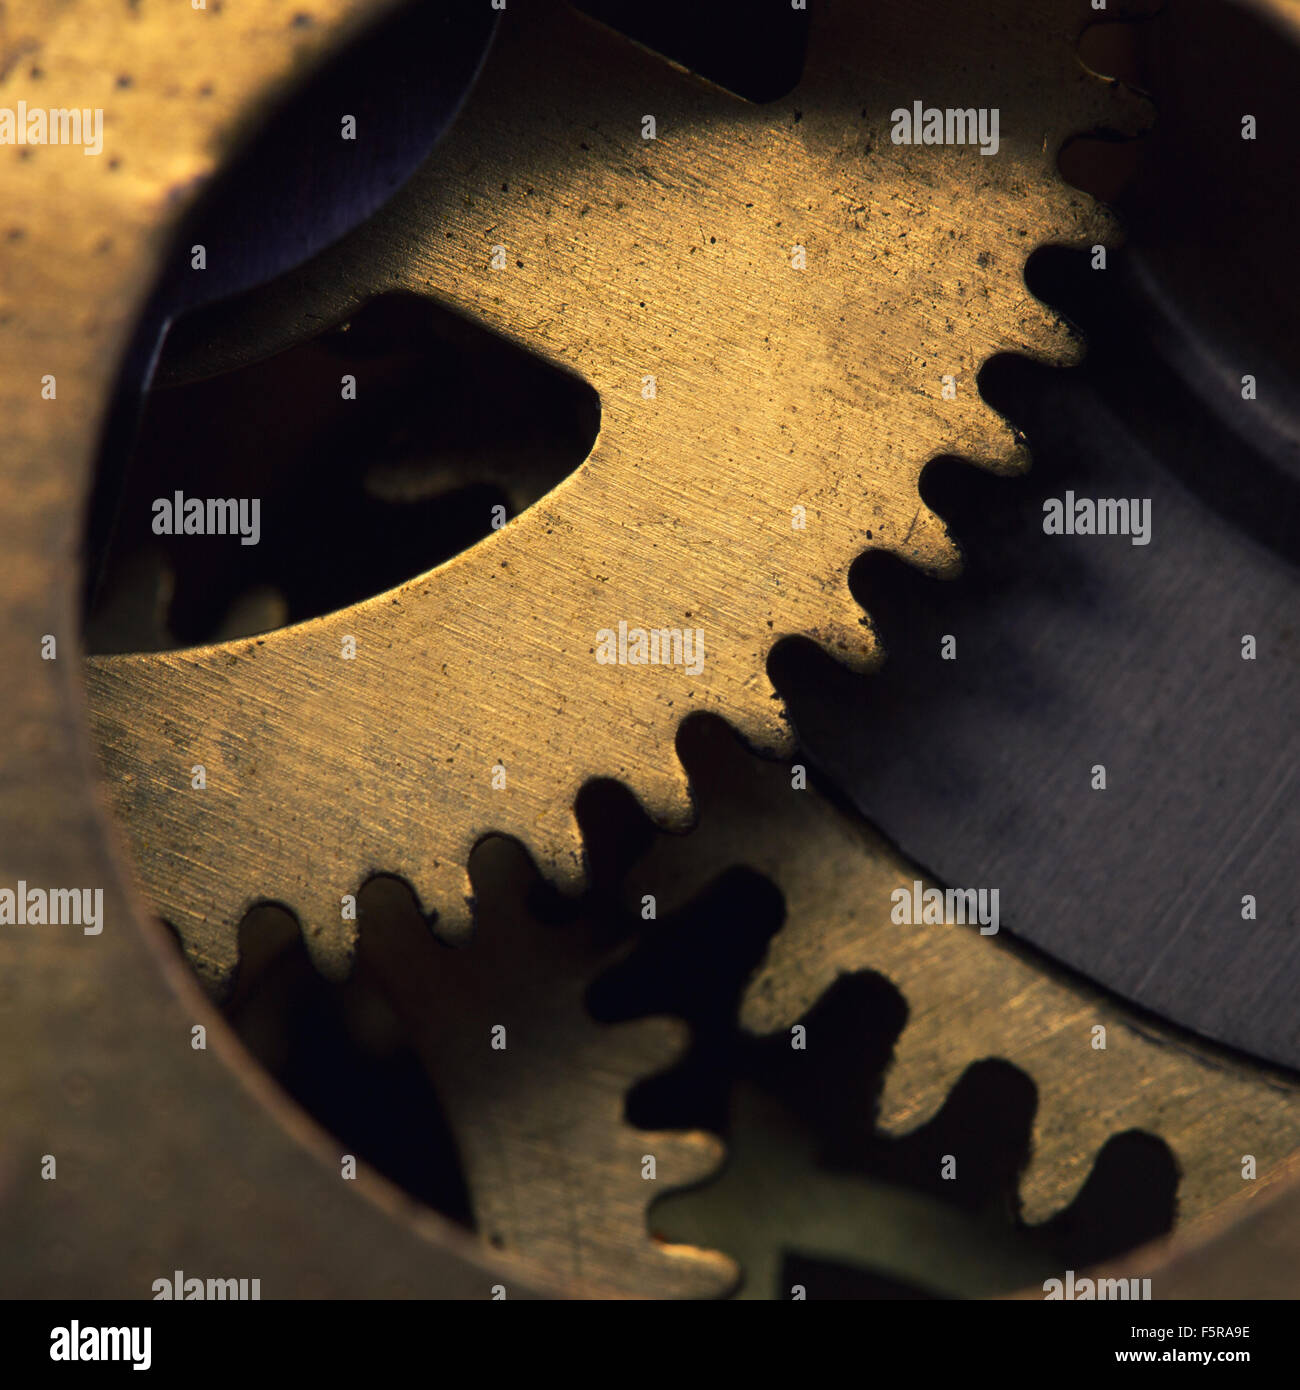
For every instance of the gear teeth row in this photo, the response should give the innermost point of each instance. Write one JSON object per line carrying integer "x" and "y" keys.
{"x": 534, "y": 1088}
{"x": 969, "y": 997}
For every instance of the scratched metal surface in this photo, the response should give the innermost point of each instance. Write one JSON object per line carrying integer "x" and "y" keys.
{"x": 1074, "y": 651}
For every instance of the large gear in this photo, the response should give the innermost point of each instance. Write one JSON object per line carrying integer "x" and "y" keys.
{"x": 730, "y": 299}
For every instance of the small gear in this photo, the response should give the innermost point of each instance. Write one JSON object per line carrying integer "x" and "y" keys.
{"x": 555, "y": 1173}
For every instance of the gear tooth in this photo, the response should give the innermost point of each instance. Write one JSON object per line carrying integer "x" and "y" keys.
{"x": 1109, "y": 105}
{"x": 446, "y": 897}
{"x": 761, "y": 1015}
{"x": 790, "y": 979}
{"x": 846, "y": 634}
{"x": 1136, "y": 111}
{"x": 683, "y": 1157}
{"x": 850, "y": 644}
{"x": 330, "y": 941}
{"x": 1059, "y": 1165}
{"x": 1046, "y": 337}
{"x": 211, "y": 945}
{"x": 924, "y": 541}
{"x": 924, "y": 1069}
{"x": 662, "y": 788}
{"x": 1081, "y": 222}
{"x": 698, "y": 1273}
{"x": 674, "y": 804}
{"x": 555, "y": 841}
{"x": 759, "y": 715}
{"x": 990, "y": 442}
{"x": 649, "y": 1045}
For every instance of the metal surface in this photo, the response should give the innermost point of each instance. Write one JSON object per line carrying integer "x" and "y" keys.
{"x": 1074, "y": 651}
{"x": 554, "y": 1168}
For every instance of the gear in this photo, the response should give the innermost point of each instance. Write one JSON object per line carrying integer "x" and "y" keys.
{"x": 968, "y": 997}
{"x": 555, "y": 1173}
{"x": 693, "y": 298}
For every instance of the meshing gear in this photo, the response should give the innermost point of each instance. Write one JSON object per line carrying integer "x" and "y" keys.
{"x": 559, "y": 1088}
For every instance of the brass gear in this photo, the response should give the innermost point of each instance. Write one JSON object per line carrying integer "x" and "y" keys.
{"x": 475, "y": 703}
